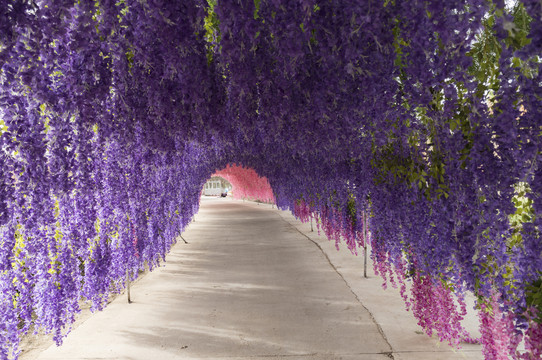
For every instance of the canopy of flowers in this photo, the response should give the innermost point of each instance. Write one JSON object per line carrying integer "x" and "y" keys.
{"x": 421, "y": 120}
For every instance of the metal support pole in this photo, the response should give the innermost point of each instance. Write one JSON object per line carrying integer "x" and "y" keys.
{"x": 364, "y": 246}
{"x": 311, "y": 225}
{"x": 128, "y": 285}
{"x": 365, "y": 260}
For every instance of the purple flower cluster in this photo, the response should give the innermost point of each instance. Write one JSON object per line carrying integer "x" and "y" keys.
{"x": 420, "y": 118}
{"x": 336, "y": 226}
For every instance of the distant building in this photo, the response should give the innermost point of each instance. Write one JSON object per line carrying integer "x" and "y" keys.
{"x": 216, "y": 185}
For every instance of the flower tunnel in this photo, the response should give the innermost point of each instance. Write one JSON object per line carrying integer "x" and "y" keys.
{"x": 418, "y": 122}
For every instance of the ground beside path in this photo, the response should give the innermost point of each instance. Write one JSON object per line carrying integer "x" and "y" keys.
{"x": 254, "y": 283}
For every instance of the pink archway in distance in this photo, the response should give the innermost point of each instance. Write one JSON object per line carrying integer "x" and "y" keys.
{"x": 247, "y": 184}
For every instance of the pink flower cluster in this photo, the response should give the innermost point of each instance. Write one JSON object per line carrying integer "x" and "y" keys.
{"x": 247, "y": 184}
{"x": 533, "y": 336}
{"x": 302, "y": 211}
{"x": 500, "y": 339}
{"x": 434, "y": 306}
{"x": 440, "y": 309}
{"x": 383, "y": 268}
{"x": 432, "y": 302}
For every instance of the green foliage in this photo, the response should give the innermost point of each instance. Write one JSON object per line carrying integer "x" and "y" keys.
{"x": 351, "y": 209}
{"x": 427, "y": 171}
{"x": 519, "y": 29}
{"x": 400, "y": 46}
{"x": 256, "y": 9}
{"x": 3, "y": 127}
{"x": 130, "y": 58}
{"x": 485, "y": 55}
{"x": 534, "y": 297}
{"x": 212, "y": 29}
{"x": 524, "y": 213}
{"x": 427, "y": 174}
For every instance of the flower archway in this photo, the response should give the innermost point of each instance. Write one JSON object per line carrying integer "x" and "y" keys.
{"x": 247, "y": 184}
{"x": 420, "y": 120}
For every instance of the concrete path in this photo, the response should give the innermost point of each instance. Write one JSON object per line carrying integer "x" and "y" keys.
{"x": 253, "y": 283}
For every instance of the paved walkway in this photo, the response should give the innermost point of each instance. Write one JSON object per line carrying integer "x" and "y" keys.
{"x": 250, "y": 284}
